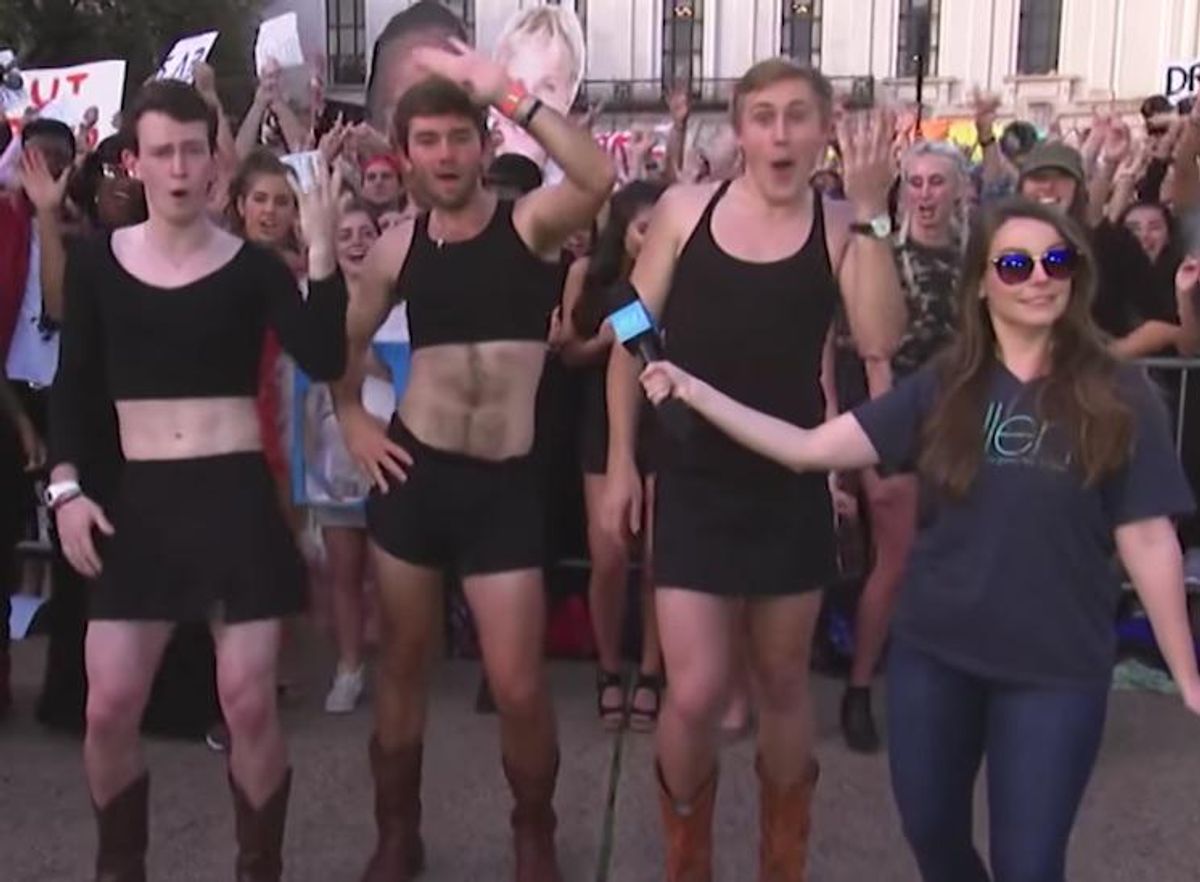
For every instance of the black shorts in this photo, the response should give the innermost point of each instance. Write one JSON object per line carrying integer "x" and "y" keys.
{"x": 458, "y": 512}
{"x": 743, "y": 537}
{"x": 198, "y": 540}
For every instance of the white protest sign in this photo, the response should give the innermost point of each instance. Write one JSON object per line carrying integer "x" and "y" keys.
{"x": 1181, "y": 80}
{"x": 181, "y": 61}
{"x": 278, "y": 38}
{"x": 69, "y": 91}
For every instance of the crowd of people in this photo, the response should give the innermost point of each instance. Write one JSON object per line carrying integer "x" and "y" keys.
{"x": 936, "y": 344}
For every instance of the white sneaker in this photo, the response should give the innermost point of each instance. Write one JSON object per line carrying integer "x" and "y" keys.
{"x": 346, "y": 690}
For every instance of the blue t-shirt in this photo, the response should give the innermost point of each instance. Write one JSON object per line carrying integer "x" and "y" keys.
{"x": 1017, "y": 581}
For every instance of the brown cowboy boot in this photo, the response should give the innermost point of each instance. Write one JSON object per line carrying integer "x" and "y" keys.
{"x": 123, "y": 827}
{"x": 399, "y": 854}
{"x": 688, "y": 831}
{"x": 533, "y": 824}
{"x": 785, "y": 819}
{"x": 260, "y": 833}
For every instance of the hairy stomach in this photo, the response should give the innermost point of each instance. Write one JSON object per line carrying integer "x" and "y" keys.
{"x": 475, "y": 398}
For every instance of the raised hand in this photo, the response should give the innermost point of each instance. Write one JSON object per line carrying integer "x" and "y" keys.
{"x": 483, "y": 79}
{"x": 77, "y": 521}
{"x": 985, "y": 106}
{"x": 204, "y": 78}
{"x": 1117, "y": 145}
{"x": 868, "y": 165}
{"x": 318, "y": 217}
{"x": 679, "y": 105}
{"x": 268, "y": 84}
{"x": 1187, "y": 276}
{"x": 44, "y": 190}
{"x": 332, "y": 142}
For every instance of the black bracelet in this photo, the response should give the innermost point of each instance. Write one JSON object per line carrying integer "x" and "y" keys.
{"x": 527, "y": 119}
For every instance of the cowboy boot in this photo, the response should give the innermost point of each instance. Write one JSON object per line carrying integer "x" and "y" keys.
{"x": 399, "y": 854}
{"x": 688, "y": 831}
{"x": 785, "y": 820}
{"x": 260, "y": 832}
{"x": 123, "y": 827}
{"x": 533, "y": 824}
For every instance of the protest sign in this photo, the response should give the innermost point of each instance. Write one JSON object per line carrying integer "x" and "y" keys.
{"x": 65, "y": 93}
{"x": 1181, "y": 80}
{"x": 278, "y": 39}
{"x": 181, "y": 61}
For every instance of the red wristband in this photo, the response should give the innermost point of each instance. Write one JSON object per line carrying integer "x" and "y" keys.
{"x": 513, "y": 96}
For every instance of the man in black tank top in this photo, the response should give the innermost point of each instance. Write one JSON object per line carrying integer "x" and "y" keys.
{"x": 745, "y": 276}
{"x": 455, "y": 485}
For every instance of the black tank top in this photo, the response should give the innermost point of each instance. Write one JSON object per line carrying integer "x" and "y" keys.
{"x": 491, "y": 287}
{"x": 755, "y": 331}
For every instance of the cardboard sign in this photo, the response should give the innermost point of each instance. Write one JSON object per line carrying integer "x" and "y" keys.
{"x": 1181, "y": 80}
{"x": 65, "y": 93}
{"x": 278, "y": 39}
{"x": 181, "y": 61}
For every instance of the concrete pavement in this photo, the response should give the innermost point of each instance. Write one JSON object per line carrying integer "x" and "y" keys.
{"x": 1140, "y": 823}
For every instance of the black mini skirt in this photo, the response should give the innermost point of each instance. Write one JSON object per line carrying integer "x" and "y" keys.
{"x": 198, "y": 540}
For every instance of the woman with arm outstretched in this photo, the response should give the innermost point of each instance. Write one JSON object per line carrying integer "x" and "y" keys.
{"x": 1038, "y": 455}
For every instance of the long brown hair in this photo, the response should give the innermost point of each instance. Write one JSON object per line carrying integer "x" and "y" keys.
{"x": 1079, "y": 394}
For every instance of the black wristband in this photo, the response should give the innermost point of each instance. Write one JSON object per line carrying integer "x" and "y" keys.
{"x": 527, "y": 119}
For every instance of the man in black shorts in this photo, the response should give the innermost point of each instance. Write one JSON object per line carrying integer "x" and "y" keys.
{"x": 745, "y": 275}
{"x": 455, "y": 482}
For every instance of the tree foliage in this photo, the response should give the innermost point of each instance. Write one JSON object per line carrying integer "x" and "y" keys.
{"x": 56, "y": 33}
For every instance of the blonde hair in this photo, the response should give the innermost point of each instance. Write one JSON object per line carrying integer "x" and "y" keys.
{"x": 777, "y": 70}
{"x": 551, "y": 23}
{"x": 960, "y": 220}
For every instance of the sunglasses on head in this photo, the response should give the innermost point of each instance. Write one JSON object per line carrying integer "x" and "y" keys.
{"x": 1014, "y": 267}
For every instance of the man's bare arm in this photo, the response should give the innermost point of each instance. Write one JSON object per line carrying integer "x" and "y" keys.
{"x": 548, "y": 215}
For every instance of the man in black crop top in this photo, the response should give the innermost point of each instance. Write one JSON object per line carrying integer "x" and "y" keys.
{"x": 745, "y": 276}
{"x": 167, "y": 319}
{"x": 455, "y": 484}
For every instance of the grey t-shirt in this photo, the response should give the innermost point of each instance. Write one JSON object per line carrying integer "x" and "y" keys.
{"x": 1016, "y": 581}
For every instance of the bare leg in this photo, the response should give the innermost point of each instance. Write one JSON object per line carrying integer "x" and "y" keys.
{"x": 121, "y": 659}
{"x": 778, "y": 649}
{"x": 645, "y": 700}
{"x": 607, "y": 587}
{"x": 510, "y": 612}
{"x": 247, "y": 654}
{"x": 346, "y": 550}
{"x": 697, "y": 653}
{"x": 410, "y": 617}
{"x": 893, "y": 512}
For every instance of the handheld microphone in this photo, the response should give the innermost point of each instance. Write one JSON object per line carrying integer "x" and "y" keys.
{"x": 635, "y": 330}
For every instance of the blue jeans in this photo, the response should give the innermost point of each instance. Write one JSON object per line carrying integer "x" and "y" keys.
{"x": 1040, "y": 743}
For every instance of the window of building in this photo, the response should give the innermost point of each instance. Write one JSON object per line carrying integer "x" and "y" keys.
{"x": 465, "y": 10}
{"x": 683, "y": 43}
{"x": 1037, "y": 36}
{"x": 907, "y": 50}
{"x": 801, "y": 34}
{"x": 347, "y": 44}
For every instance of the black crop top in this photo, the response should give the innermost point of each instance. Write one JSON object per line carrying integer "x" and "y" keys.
{"x": 200, "y": 340}
{"x": 491, "y": 287}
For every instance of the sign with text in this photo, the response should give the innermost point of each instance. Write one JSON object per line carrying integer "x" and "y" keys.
{"x": 65, "y": 93}
{"x": 181, "y": 61}
{"x": 1181, "y": 80}
{"x": 278, "y": 40}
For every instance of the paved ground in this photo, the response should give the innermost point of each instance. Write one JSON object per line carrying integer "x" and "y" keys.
{"x": 1141, "y": 822}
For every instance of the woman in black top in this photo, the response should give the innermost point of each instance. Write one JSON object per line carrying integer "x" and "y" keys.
{"x": 586, "y": 343}
{"x": 1039, "y": 455}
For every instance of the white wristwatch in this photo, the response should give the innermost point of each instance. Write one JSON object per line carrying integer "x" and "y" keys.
{"x": 60, "y": 493}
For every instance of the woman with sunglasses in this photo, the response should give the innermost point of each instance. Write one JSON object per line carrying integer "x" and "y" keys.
{"x": 1038, "y": 454}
